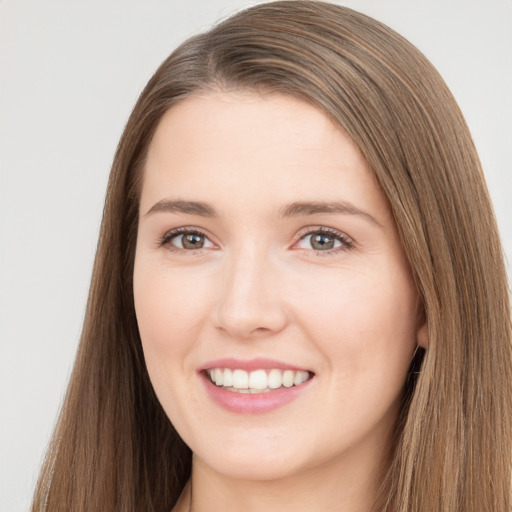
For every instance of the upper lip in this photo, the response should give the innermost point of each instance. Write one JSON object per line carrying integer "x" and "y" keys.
{"x": 250, "y": 364}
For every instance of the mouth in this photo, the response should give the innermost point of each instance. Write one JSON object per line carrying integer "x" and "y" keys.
{"x": 258, "y": 381}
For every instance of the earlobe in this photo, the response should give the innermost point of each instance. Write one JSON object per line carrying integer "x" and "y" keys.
{"x": 422, "y": 335}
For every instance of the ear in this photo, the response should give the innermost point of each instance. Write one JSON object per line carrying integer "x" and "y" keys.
{"x": 422, "y": 334}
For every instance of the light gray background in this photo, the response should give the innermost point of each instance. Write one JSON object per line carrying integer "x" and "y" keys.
{"x": 70, "y": 72}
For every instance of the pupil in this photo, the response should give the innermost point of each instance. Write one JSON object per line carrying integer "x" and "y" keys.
{"x": 193, "y": 241}
{"x": 322, "y": 242}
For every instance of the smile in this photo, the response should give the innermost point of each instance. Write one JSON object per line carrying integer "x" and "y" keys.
{"x": 256, "y": 381}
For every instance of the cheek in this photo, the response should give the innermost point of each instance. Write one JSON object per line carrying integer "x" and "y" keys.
{"x": 357, "y": 316}
{"x": 171, "y": 306}
{"x": 168, "y": 308}
{"x": 365, "y": 328}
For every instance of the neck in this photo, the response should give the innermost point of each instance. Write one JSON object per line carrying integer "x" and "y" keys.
{"x": 349, "y": 489}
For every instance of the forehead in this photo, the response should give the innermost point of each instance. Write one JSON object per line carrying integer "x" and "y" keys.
{"x": 243, "y": 121}
{"x": 240, "y": 144}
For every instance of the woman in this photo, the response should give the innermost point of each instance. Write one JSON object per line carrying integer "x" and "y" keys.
{"x": 299, "y": 280}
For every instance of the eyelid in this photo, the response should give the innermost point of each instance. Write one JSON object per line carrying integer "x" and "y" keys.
{"x": 166, "y": 239}
{"x": 347, "y": 242}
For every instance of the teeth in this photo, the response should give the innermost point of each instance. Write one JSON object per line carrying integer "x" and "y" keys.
{"x": 240, "y": 379}
{"x": 257, "y": 381}
{"x": 274, "y": 379}
{"x": 300, "y": 377}
{"x": 227, "y": 379}
{"x": 288, "y": 377}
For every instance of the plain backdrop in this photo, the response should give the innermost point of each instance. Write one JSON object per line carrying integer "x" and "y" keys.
{"x": 70, "y": 72}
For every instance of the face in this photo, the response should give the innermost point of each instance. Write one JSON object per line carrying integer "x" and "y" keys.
{"x": 268, "y": 261}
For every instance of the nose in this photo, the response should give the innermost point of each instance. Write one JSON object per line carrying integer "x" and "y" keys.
{"x": 251, "y": 302}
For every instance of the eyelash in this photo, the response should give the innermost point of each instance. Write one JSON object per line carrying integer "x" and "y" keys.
{"x": 346, "y": 242}
{"x": 168, "y": 237}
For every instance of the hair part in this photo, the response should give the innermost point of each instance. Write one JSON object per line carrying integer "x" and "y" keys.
{"x": 115, "y": 449}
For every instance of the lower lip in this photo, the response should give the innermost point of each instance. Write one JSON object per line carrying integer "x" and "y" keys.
{"x": 247, "y": 403}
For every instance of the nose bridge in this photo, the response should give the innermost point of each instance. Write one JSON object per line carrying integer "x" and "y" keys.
{"x": 249, "y": 300}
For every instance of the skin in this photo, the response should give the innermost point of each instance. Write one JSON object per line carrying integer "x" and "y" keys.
{"x": 258, "y": 288}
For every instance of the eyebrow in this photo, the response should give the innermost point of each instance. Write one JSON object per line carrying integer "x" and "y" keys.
{"x": 315, "y": 207}
{"x": 296, "y": 209}
{"x": 190, "y": 207}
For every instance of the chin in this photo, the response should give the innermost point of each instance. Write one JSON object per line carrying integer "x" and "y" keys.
{"x": 251, "y": 461}
{"x": 253, "y": 470}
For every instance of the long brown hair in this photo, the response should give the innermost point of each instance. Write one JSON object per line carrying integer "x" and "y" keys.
{"x": 115, "y": 449}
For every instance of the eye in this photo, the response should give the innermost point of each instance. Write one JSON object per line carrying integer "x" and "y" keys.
{"x": 186, "y": 239}
{"x": 324, "y": 240}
